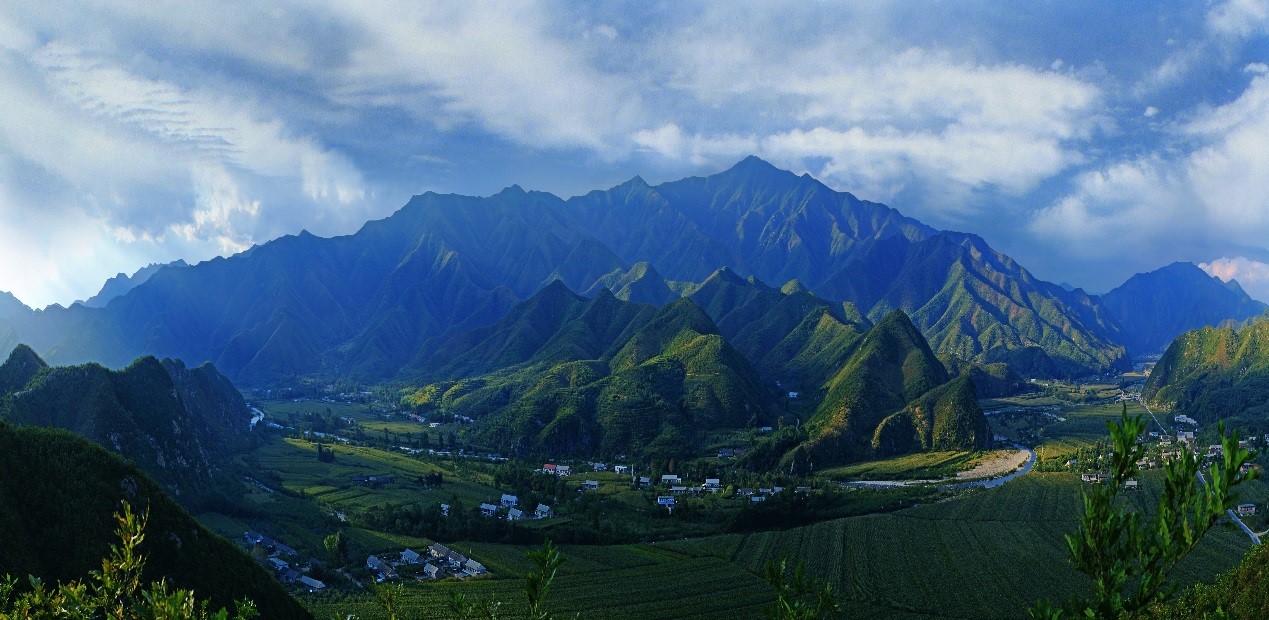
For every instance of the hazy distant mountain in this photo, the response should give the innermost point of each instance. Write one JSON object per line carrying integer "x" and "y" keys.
{"x": 1154, "y": 308}
{"x": 122, "y": 283}
{"x": 370, "y": 304}
{"x": 178, "y": 424}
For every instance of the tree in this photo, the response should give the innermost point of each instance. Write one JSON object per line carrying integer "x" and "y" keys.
{"x": 1128, "y": 557}
{"x": 116, "y": 592}
{"x": 337, "y": 544}
{"x": 797, "y": 596}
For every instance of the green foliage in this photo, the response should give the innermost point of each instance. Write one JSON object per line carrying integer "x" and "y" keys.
{"x": 1128, "y": 555}
{"x": 892, "y": 396}
{"x": 799, "y": 597}
{"x": 117, "y": 591}
{"x": 1241, "y": 593}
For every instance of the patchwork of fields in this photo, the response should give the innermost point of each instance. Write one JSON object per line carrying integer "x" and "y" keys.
{"x": 989, "y": 554}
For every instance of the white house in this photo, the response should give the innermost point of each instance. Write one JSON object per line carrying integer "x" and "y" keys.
{"x": 488, "y": 509}
{"x": 508, "y": 501}
{"x": 543, "y": 511}
{"x": 409, "y": 556}
{"x": 622, "y": 469}
{"x": 670, "y": 479}
{"x": 599, "y": 466}
{"x": 590, "y": 485}
{"x": 712, "y": 484}
{"x": 1246, "y": 510}
{"x": 475, "y": 568}
{"x": 431, "y": 571}
{"x": 515, "y": 514}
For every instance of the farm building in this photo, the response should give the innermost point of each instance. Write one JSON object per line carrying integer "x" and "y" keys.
{"x": 313, "y": 585}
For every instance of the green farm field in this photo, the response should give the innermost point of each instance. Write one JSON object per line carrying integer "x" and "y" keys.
{"x": 987, "y": 554}
{"x": 294, "y": 462}
{"x": 907, "y": 467}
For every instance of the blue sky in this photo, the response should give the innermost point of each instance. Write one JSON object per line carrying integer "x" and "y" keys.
{"x": 1088, "y": 140}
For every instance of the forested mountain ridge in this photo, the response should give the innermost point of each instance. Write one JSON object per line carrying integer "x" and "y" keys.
{"x": 178, "y": 424}
{"x": 57, "y": 497}
{"x": 564, "y": 374}
{"x": 1213, "y": 373}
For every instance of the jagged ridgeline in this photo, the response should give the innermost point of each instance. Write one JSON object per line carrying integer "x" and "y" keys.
{"x": 58, "y": 495}
{"x": 1214, "y": 373}
{"x": 178, "y": 424}
{"x": 373, "y": 304}
{"x": 562, "y": 374}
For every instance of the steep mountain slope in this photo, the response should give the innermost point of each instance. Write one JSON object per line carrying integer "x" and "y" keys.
{"x": 177, "y": 424}
{"x": 18, "y": 370}
{"x": 788, "y": 334}
{"x": 640, "y": 283}
{"x": 57, "y": 497}
{"x": 945, "y": 418}
{"x": 1214, "y": 373}
{"x": 890, "y": 396}
{"x": 562, "y": 374}
{"x": 1156, "y": 307}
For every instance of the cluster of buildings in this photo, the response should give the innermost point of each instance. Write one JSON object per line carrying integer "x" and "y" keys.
{"x": 278, "y": 554}
{"x": 508, "y": 508}
{"x": 562, "y": 471}
{"x": 438, "y": 562}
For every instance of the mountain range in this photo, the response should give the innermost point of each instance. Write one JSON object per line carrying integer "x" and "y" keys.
{"x": 376, "y": 305}
{"x": 1154, "y": 308}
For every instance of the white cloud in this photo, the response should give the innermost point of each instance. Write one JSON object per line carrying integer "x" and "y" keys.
{"x": 495, "y": 65}
{"x": 1214, "y": 193}
{"x": 1256, "y": 68}
{"x": 1150, "y": 112}
{"x": 670, "y": 141}
{"x": 1252, "y": 275}
{"x": 1239, "y": 18}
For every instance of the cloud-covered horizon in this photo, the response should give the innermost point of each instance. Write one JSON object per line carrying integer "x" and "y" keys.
{"x": 1088, "y": 144}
